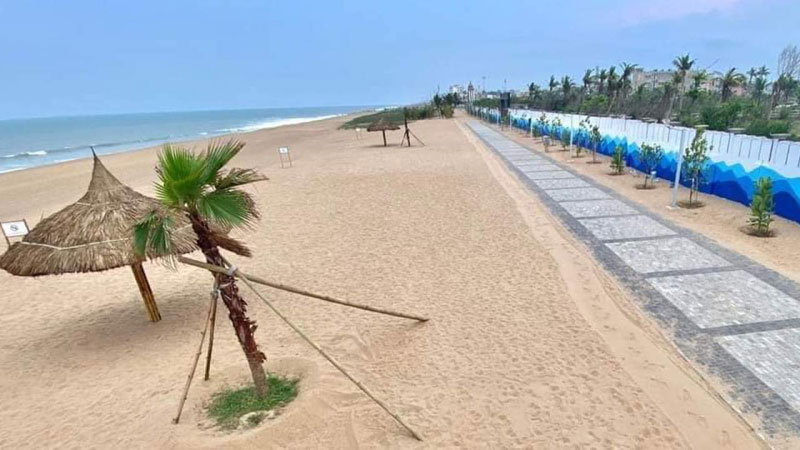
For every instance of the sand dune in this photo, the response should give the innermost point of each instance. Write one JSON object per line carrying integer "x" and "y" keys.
{"x": 530, "y": 345}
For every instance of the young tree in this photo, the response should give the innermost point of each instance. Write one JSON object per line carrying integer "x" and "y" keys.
{"x": 595, "y": 137}
{"x": 650, "y": 156}
{"x": 761, "y": 207}
{"x": 695, "y": 159}
{"x": 618, "y": 161}
{"x": 199, "y": 187}
{"x": 731, "y": 79}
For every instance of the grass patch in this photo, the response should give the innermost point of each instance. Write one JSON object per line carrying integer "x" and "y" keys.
{"x": 393, "y": 116}
{"x": 228, "y": 406}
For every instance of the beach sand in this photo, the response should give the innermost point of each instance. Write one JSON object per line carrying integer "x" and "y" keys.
{"x": 530, "y": 343}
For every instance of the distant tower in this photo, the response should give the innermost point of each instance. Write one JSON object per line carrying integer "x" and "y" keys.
{"x": 470, "y": 92}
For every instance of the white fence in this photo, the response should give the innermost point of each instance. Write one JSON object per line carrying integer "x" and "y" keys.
{"x": 749, "y": 151}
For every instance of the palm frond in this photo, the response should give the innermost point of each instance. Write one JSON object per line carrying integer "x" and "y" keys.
{"x": 237, "y": 177}
{"x": 227, "y": 207}
{"x": 217, "y": 155}
{"x": 153, "y": 236}
{"x": 180, "y": 175}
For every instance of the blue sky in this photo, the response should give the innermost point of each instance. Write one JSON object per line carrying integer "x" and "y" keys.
{"x": 94, "y": 57}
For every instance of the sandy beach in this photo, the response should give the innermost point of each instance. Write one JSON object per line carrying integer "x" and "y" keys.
{"x": 530, "y": 343}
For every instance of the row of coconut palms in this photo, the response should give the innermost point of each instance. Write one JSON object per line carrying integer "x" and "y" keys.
{"x": 732, "y": 99}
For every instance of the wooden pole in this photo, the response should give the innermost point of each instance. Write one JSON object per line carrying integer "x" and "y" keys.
{"x": 331, "y": 360}
{"x": 146, "y": 292}
{"x": 384, "y": 137}
{"x": 211, "y": 337}
{"x": 196, "y": 356}
{"x": 294, "y": 290}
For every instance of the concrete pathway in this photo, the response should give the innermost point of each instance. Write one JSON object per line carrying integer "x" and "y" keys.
{"x": 736, "y": 318}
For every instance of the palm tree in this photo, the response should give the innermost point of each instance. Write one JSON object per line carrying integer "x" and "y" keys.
{"x": 625, "y": 79}
{"x": 698, "y": 78}
{"x": 588, "y": 79}
{"x": 763, "y": 71}
{"x": 553, "y": 83}
{"x": 198, "y": 187}
{"x": 601, "y": 79}
{"x": 752, "y": 73}
{"x": 683, "y": 64}
{"x": 613, "y": 86}
{"x": 759, "y": 86}
{"x": 729, "y": 81}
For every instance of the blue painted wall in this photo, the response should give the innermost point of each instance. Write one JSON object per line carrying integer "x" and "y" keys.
{"x": 732, "y": 182}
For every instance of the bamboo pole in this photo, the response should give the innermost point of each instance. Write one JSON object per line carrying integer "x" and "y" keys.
{"x": 330, "y": 359}
{"x": 146, "y": 292}
{"x": 211, "y": 336}
{"x": 294, "y": 290}
{"x": 196, "y": 356}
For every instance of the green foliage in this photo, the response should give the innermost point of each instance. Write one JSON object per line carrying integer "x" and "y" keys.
{"x": 761, "y": 207}
{"x": 565, "y": 139}
{"x": 618, "y": 160}
{"x": 766, "y": 127}
{"x": 595, "y": 137}
{"x": 196, "y": 185}
{"x": 695, "y": 159}
{"x": 228, "y": 406}
{"x": 722, "y": 116}
{"x": 447, "y": 111}
{"x": 650, "y": 156}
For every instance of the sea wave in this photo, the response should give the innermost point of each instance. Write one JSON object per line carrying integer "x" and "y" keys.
{"x": 274, "y": 123}
{"x": 26, "y": 154}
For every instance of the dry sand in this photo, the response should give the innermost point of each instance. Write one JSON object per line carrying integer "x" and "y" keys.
{"x": 530, "y": 344}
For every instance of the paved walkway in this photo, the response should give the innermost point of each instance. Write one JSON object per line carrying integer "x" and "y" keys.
{"x": 736, "y": 318}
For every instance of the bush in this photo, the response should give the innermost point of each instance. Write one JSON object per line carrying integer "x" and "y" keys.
{"x": 650, "y": 156}
{"x": 595, "y": 137}
{"x": 447, "y": 111}
{"x": 618, "y": 161}
{"x": 761, "y": 207}
{"x": 764, "y": 127}
{"x": 723, "y": 116}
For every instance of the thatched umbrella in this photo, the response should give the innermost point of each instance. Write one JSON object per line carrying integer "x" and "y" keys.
{"x": 92, "y": 235}
{"x": 382, "y": 125}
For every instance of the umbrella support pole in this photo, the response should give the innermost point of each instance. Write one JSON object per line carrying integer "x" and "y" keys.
{"x": 147, "y": 293}
{"x": 384, "y": 137}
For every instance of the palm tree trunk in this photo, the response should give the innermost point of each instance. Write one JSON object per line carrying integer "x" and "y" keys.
{"x": 237, "y": 307}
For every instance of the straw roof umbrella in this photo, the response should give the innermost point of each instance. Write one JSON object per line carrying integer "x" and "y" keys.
{"x": 382, "y": 125}
{"x": 92, "y": 235}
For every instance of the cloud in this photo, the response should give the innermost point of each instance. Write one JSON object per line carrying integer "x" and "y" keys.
{"x": 638, "y": 12}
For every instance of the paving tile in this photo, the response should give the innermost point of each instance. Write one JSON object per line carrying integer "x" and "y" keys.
{"x": 589, "y": 193}
{"x": 561, "y": 183}
{"x": 726, "y": 298}
{"x": 630, "y": 227}
{"x": 597, "y": 208}
{"x": 662, "y": 255}
{"x": 548, "y": 175}
{"x": 538, "y": 167}
{"x": 773, "y": 357}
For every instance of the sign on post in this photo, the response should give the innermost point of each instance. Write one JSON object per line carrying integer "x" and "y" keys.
{"x": 16, "y": 228}
{"x": 285, "y": 156}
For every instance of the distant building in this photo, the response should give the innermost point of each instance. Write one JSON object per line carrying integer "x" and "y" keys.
{"x": 471, "y": 93}
{"x": 458, "y": 90}
{"x": 652, "y": 79}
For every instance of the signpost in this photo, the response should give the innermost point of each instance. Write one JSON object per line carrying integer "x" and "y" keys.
{"x": 285, "y": 156}
{"x": 16, "y": 228}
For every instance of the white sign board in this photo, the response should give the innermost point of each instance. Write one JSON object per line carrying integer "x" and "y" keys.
{"x": 283, "y": 154}
{"x": 18, "y": 228}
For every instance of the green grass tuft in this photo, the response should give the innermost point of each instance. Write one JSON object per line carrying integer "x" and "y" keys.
{"x": 228, "y": 406}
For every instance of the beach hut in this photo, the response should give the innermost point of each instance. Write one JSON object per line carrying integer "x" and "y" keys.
{"x": 382, "y": 125}
{"x": 92, "y": 235}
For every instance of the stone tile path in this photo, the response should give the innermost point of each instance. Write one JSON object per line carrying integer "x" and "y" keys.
{"x": 732, "y": 316}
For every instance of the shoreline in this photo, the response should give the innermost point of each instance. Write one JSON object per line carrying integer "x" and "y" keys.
{"x": 201, "y": 138}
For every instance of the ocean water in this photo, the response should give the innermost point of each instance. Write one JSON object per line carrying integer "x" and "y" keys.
{"x": 28, "y": 143}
